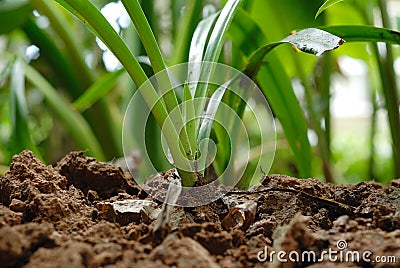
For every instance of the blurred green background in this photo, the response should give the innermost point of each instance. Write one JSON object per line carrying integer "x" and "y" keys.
{"x": 343, "y": 93}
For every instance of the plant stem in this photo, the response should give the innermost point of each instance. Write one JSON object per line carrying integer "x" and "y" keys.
{"x": 389, "y": 83}
{"x": 324, "y": 85}
{"x": 168, "y": 96}
{"x": 153, "y": 51}
{"x": 316, "y": 124}
{"x": 371, "y": 174}
{"x": 97, "y": 23}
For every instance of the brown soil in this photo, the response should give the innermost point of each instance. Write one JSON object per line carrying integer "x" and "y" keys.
{"x": 83, "y": 213}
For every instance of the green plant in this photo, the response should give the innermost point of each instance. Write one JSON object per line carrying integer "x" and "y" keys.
{"x": 92, "y": 102}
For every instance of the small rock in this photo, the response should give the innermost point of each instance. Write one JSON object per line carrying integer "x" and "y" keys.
{"x": 127, "y": 211}
{"x": 17, "y": 205}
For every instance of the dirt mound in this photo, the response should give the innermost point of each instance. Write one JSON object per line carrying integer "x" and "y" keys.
{"x": 84, "y": 213}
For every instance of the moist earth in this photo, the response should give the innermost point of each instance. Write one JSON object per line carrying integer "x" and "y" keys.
{"x": 84, "y": 213}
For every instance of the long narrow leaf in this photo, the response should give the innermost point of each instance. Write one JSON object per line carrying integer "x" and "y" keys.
{"x": 97, "y": 23}
{"x": 153, "y": 51}
{"x": 168, "y": 95}
{"x": 197, "y": 48}
{"x": 276, "y": 86}
{"x": 189, "y": 113}
{"x": 186, "y": 28}
{"x": 74, "y": 122}
{"x": 326, "y": 5}
{"x": 60, "y": 25}
{"x": 363, "y": 33}
{"x": 98, "y": 90}
{"x": 214, "y": 46}
{"x": 213, "y": 50}
{"x": 21, "y": 134}
{"x": 217, "y": 37}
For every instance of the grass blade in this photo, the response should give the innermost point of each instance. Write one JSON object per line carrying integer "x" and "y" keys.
{"x": 186, "y": 28}
{"x": 60, "y": 24}
{"x": 197, "y": 47}
{"x": 363, "y": 33}
{"x": 168, "y": 95}
{"x": 214, "y": 48}
{"x": 97, "y": 91}
{"x": 74, "y": 122}
{"x": 55, "y": 58}
{"x": 208, "y": 121}
{"x": 189, "y": 119}
{"x": 276, "y": 86}
{"x": 153, "y": 51}
{"x": 22, "y": 138}
{"x": 326, "y": 5}
{"x": 217, "y": 37}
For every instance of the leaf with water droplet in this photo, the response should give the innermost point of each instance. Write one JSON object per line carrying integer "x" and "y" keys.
{"x": 311, "y": 40}
{"x": 314, "y": 41}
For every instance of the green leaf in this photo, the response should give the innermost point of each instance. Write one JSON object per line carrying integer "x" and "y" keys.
{"x": 86, "y": 12}
{"x": 168, "y": 95}
{"x": 326, "y": 5}
{"x": 190, "y": 123}
{"x": 186, "y": 28}
{"x": 62, "y": 27}
{"x": 97, "y": 91}
{"x": 361, "y": 33}
{"x": 197, "y": 47}
{"x": 74, "y": 122}
{"x": 207, "y": 125}
{"x": 311, "y": 40}
{"x": 299, "y": 16}
{"x": 212, "y": 107}
{"x": 22, "y": 138}
{"x": 214, "y": 48}
{"x": 276, "y": 86}
{"x": 314, "y": 41}
{"x": 13, "y": 14}
{"x": 217, "y": 37}
{"x": 278, "y": 90}
{"x": 55, "y": 57}
{"x": 196, "y": 53}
